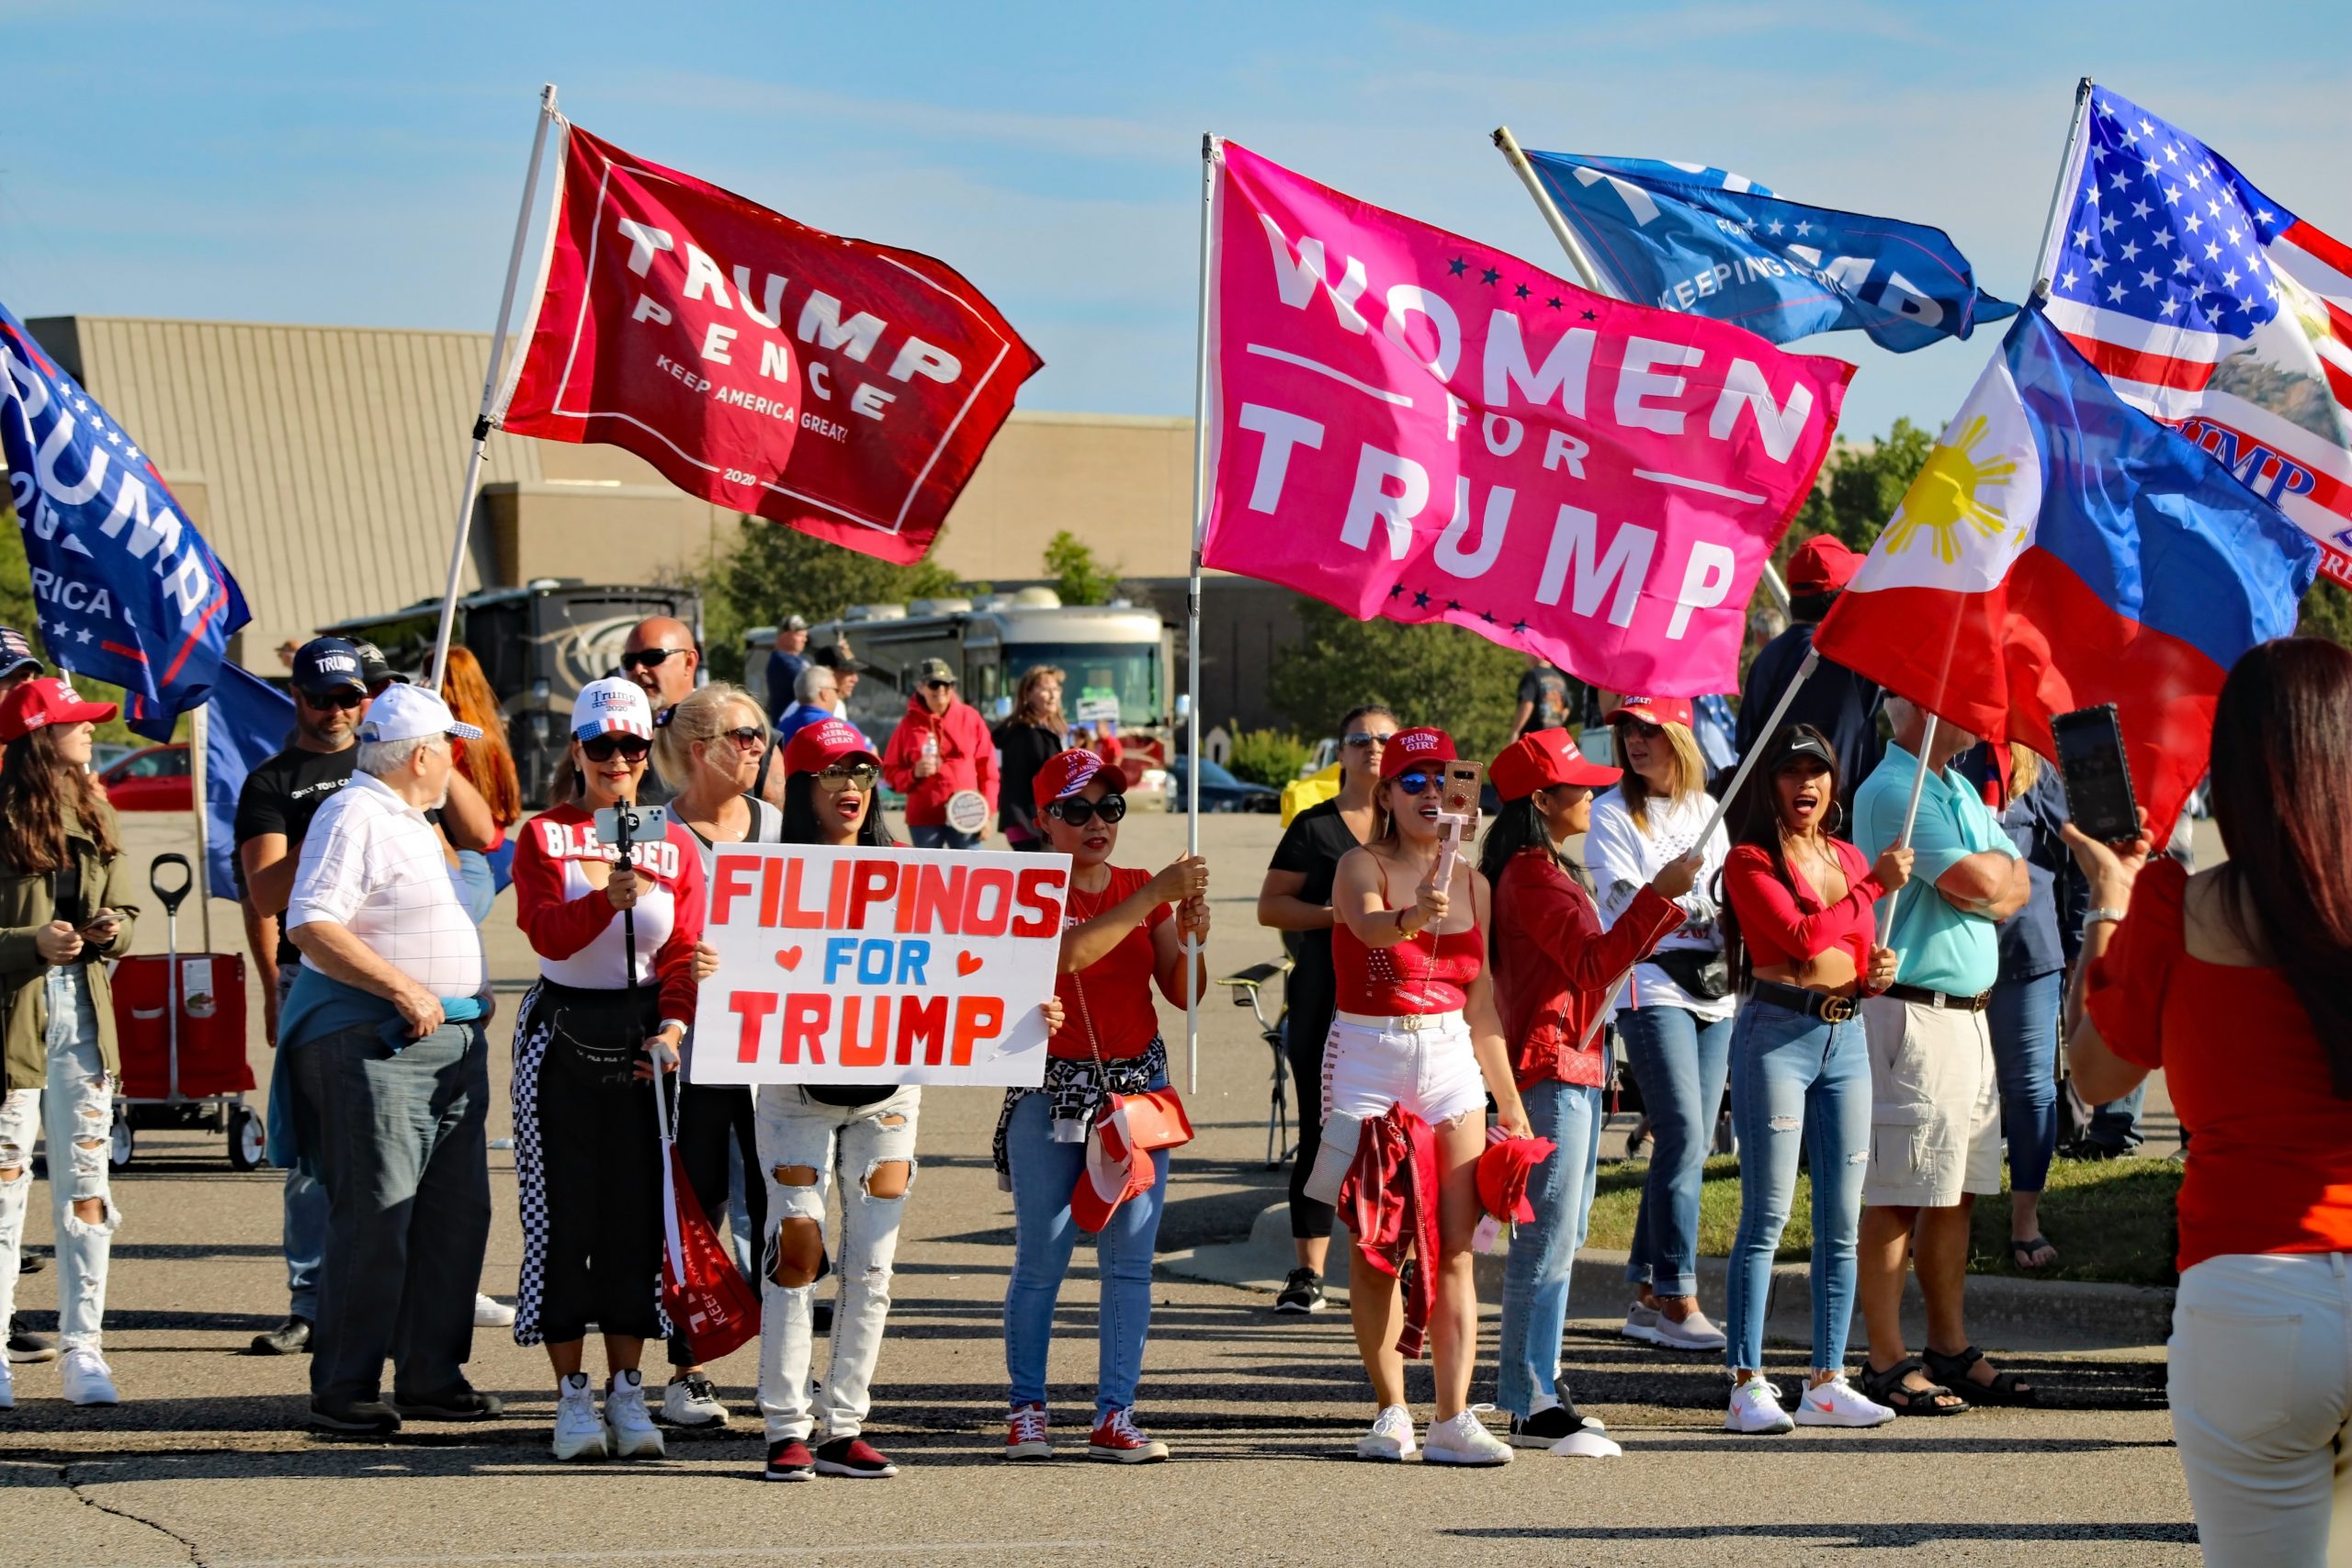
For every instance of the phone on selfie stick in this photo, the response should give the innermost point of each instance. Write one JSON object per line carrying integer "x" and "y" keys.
{"x": 2097, "y": 778}
{"x": 621, "y": 825}
{"x": 1457, "y": 813}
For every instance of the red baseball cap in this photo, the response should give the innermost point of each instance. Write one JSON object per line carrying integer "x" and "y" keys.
{"x": 822, "y": 744}
{"x": 1822, "y": 565}
{"x": 1410, "y": 747}
{"x": 1115, "y": 1170}
{"x": 48, "y": 700}
{"x": 1543, "y": 758}
{"x": 1651, "y": 710}
{"x": 1503, "y": 1171}
{"x": 1066, "y": 773}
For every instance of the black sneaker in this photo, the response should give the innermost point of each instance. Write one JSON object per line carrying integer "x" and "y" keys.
{"x": 1302, "y": 1292}
{"x": 1546, "y": 1427}
{"x": 291, "y": 1337}
{"x": 355, "y": 1417}
{"x": 461, "y": 1402}
{"x": 789, "y": 1460}
{"x": 854, "y": 1458}
{"x": 25, "y": 1346}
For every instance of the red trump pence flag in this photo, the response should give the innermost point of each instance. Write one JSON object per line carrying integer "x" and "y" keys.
{"x": 837, "y": 387}
{"x": 1409, "y": 425}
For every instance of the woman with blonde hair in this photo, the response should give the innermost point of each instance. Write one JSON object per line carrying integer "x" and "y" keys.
{"x": 1037, "y": 732}
{"x": 488, "y": 764}
{"x": 1675, "y": 1015}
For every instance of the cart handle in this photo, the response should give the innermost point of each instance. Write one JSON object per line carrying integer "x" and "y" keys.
{"x": 171, "y": 897}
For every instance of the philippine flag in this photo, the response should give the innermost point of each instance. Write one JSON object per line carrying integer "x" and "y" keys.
{"x": 2060, "y": 549}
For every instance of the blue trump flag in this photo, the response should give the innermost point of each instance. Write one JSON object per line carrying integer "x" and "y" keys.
{"x": 126, "y": 589}
{"x": 249, "y": 721}
{"x": 1707, "y": 242}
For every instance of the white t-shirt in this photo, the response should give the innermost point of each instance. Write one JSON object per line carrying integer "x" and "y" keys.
{"x": 372, "y": 864}
{"x": 1622, "y": 860}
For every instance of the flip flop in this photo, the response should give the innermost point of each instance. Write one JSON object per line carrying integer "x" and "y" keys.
{"x": 2021, "y": 1250}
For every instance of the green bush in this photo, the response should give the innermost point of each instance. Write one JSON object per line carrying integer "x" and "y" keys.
{"x": 1269, "y": 757}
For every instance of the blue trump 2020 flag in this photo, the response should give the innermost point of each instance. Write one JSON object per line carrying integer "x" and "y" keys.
{"x": 1708, "y": 241}
{"x": 251, "y": 721}
{"x": 126, "y": 589}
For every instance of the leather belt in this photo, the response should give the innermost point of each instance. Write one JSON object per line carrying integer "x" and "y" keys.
{"x": 1977, "y": 1003}
{"x": 1806, "y": 1001}
{"x": 1398, "y": 1023}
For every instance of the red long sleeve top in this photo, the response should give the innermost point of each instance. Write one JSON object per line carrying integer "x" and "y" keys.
{"x": 575, "y": 930}
{"x": 1784, "y": 924}
{"x": 1555, "y": 966}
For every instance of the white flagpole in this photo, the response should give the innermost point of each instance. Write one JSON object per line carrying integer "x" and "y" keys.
{"x": 2068, "y": 167}
{"x": 198, "y": 733}
{"x": 1192, "y": 950}
{"x": 1910, "y": 816}
{"x": 489, "y": 393}
{"x": 1589, "y": 275}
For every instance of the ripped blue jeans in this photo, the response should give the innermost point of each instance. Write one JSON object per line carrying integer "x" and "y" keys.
{"x": 79, "y": 1124}
{"x": 1796, "y": 1082}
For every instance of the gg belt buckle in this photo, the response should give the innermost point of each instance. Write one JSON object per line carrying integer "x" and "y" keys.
{"x": 1836, "y": 1010}
{"x": 1411, "y": 1022}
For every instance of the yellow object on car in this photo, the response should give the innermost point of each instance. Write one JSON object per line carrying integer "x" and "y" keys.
{"x": 1313, "y": 790}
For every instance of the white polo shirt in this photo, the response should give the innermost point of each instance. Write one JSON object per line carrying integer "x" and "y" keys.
{"x": 372, "y": 864}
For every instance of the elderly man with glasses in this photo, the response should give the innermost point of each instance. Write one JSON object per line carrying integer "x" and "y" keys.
{"x": 941, "y": 749}
{"x": 662, "y": 658}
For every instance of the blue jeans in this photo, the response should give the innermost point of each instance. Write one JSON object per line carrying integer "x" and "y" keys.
{"x": 1796, "y": 1081}
{"x": 2024, "y": 1021}
{"x": 1544, "y": 1250}
{"x": 1044, "y": 1236}
{"x": 1679, "y": 1062}
{"x": 477, "y": 885}
{"x": 2115, "y": 1126}
{"x": 940, "y": 836}
{"x": 302, "y": 1229}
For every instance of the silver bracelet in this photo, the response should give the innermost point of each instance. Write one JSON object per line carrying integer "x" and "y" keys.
{"x": 2093, "y": 917}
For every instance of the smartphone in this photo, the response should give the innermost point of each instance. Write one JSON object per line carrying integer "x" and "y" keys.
{"x": 2099, "y": 781}
{"x": 101, "y": 927}
{"x": 1458, "y": 789}
{"x": 642, "y": 822}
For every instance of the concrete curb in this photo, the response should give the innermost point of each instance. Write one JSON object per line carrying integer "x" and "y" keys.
{"x": 2020, "y": 1315}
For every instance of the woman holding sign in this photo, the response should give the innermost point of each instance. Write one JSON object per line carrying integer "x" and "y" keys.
{"x": 1417, "y": 1029}
{"x": 1119, "y": 942}
{"x": 588, "y": 1039}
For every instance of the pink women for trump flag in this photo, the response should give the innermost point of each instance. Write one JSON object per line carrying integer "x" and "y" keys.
{"x": 1409, "y": 425}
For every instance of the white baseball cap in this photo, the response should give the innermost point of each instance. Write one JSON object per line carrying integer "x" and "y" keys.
{"x": 411, "y": 713}
{"x": 609, "y": 704}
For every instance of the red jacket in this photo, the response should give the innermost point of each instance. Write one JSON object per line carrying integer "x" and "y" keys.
{"x": 967, "y": 760}
{"x": 573, "y": 927}
{"x": 1555, "y": 968}
{"x": 1391, "y": 1200}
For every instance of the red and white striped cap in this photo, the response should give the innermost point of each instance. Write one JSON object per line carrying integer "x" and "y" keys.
{"x": 608, "y": 705}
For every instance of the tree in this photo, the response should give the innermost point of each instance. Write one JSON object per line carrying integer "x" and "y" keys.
{"x": 1429, "y": 674}
{"x": 1069, "y": 561}
{"x": 1860, "y": 488}
{"x": 2327, "y": 612}
{"x": 772, "y": 571}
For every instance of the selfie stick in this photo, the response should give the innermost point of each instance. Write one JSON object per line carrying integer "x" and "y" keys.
{"x": 624, "y": 818}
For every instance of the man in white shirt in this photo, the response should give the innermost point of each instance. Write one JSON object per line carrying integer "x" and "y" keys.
{"x": 384, "y": 1030}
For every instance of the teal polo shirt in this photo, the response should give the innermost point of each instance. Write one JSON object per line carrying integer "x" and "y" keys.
{"x": 1942, "y": 948}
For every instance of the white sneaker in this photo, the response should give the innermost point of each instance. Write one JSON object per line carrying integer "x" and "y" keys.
{"x": 1839, "y": 1404}
{"x": 7, "y": 1386}
{"x": 492, "y": 1312}
{"x": 690, "y": 1401}
{"x": 88, "y": 1380}
{"x": 1756, "y": 1409}
{"x": 579, "y": 1430}
{"x": 1390, "y": 1440}
{"x": 1587, "y": 1444}
{"x": 1641, "y": 1324}
{"x": 629, "y": 1431}
{"x": 1464, "y": 1440}
{"x": 1693, "y": 1333}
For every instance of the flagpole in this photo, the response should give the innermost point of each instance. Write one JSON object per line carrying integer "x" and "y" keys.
{"x": 1193, "y": 948}
{"x": 472, "y": 484}
{"x": 2066, "y": 170}
{"x": 198, "y": 733}
{"x": 1910, "y": 816}
{"x": 1589, "y": 275}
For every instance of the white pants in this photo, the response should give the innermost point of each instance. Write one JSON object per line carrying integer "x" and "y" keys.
{"x": 2261, "y": 1391}
{"x": 80, "y": 1120}
{"x": 1371, "y": 1063}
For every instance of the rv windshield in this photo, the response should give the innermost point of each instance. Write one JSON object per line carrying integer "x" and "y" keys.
{"x": 1127, "y": 672}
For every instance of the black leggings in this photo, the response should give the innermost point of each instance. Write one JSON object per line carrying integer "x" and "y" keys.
{"x": 714, "y": 1119}
{"x": 600, "y": 1158}
{"x": 1303, "y": 1030}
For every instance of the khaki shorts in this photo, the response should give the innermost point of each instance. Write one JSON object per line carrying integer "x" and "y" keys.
{"x": 1935, "y": 1106}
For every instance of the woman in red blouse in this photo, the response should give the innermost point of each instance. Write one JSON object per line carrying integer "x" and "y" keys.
{"x": 1800, "y": 931}
{"x": 1555, "y": 968}
{"x": 588, "y": 1039}
{"x": 2237, "y": 981}
{"x": 1119, "y": 942}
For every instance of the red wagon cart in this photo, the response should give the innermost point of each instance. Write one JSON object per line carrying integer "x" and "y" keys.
{"x": 180, "y": 1026}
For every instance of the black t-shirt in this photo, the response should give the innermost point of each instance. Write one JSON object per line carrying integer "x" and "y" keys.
{"x": 281, "y": 797}
{"x": 1311, "y": 847}
{"x": 1547, "y": 688}
{"x": 1841, "y": 704}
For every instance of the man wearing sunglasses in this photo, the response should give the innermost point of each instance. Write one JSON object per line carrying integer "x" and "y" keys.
{"x": 661, "y": 657}
{"x": 939, "y": 749}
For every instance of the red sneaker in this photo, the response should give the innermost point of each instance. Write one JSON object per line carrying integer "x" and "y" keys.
{"x": 1024, "y": 1434}
{"x": 789, "y": 1460}
{"x": 856, "y": 1458}
{"x": 1118, "y": 1440}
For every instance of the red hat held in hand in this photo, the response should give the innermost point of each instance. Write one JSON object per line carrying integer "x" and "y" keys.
{"x": 1503, "y": 1172}
{"x": 1543, "y": 758}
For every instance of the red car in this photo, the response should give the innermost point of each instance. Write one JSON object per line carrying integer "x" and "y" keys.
{"x": 155, "y": 779}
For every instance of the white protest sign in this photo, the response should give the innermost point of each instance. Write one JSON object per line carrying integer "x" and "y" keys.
{"x": 858, "y": 965}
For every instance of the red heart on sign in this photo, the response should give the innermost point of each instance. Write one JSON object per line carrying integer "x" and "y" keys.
{"x": 788, "y": 956}
{"x": 966, "y": 962}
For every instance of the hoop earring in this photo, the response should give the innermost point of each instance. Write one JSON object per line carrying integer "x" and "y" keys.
{"x": 1838, "y": 827}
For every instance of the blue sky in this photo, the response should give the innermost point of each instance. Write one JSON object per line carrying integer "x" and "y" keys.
{"x": 361, "y": 163}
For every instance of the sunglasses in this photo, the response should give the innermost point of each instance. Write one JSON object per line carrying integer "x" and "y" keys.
{"x": 649, "y": 658}
{"x": 1368, "y": 737}
{"x": 1077, "y": 811}
{"x": 604, "y": 748}
{"x": 1641, "y": 730}
{"x": 747, "y": 736}
{"x": 1415, "y": 784}
{"x": 346, "y": 700}
{"x": 939, "y": 685}
{"x": 848, "y": 775}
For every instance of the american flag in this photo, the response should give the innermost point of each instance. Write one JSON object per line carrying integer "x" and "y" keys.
{"x": 2214, "y": 308}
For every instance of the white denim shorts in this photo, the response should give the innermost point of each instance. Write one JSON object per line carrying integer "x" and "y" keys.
{"x": 1371, "y": 1063}
{"x": 1935, "y": 1106}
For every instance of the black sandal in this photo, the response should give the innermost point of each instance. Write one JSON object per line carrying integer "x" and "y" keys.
{"x": 2019, "y": 1251}
{"x": 1889, "y": 1389}
{"x": 2007, "y": 1388}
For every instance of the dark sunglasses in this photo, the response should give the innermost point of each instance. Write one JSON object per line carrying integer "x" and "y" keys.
{"x": 848, "y": 775}
{"x": 939, "y": 685}
{"x": 747, "y": 737}
{"x": 1368, "y": 737}
{"x": 1641, "y": 727}
{"x": 1077, "y": 811}
{"x": 346, "y": 700}
{"x": 649, "y": 657}
{"x": 604, "y": 748}
{"x": 1414, "y": 783}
